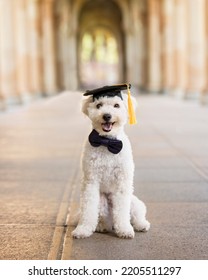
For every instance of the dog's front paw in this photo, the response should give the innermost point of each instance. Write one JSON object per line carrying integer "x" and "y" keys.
{"x": 125, "y": 232}
{"x": 82, "y": 232}
{"x": 142, "y": 226}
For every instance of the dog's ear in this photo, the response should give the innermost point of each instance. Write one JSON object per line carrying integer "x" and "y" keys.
{"x": 85, "y": 104}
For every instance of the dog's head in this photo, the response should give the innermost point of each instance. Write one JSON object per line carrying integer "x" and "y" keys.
{"x": 107, "y": 114}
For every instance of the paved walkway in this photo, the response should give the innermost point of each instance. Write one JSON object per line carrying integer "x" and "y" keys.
{"x": 40, "y": 147}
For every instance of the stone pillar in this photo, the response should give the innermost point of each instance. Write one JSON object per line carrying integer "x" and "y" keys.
{"x": 167, "y": 45}
{"x": 142, "y": 44}
{"x": 49, "y": 54}
{"x": 128, "y": 29}
{"x": 66, "y": 46}
{"x": 22, "y": 53}
{"x": 135, "y": 43}
{"x": 196, "y": 47}
{"x": 204, "y": 95}
{"x": 7, "y": 53}
{"x": 130, "y": 63}
{"x": 153, "y": 46}
{"x": 35, "y": 47}
{"x": 59, "y": 10}
{"x": 180, "y": 48}
{"x": 70, "y": 48}
{"x": 2, "y": 104}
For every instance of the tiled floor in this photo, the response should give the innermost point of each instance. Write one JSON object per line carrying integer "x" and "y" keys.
{"x": 40, "y": 147}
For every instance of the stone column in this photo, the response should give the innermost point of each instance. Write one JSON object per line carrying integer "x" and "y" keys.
{"x": 128, "y": 29}
{"x": 2, "y": 104}
{"x": 66, "y": 46}
{"x": 180, "y": 48}
{"x": 167, "y": 45}
{"x": 35, "y": 47}
{"x": 49, "y": 53}
{"x": 135, "y": 43}
{"x": 196, "y": 47}
{"x": 130, "y": 63}
{"x": 60, "y": 8}
{"x": 7, "y": 53}
{"x": 204, "y": 95}
{"x": 22, "y": 53}
{"x": 142, "y": 44}
{"x": 153, "y": 46}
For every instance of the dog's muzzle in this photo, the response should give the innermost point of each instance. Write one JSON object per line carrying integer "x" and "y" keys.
{"x": 107, "y": 125}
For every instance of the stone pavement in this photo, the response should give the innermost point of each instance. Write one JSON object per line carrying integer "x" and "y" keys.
{"x": 40, "y": 147}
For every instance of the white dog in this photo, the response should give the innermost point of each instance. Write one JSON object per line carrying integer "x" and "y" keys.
{"x": 107, "y": 200}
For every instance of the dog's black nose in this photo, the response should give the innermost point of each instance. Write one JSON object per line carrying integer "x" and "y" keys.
{"x": 107, "y": 117}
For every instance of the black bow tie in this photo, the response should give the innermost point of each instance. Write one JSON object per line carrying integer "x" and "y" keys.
{"x": 113, "y": 145}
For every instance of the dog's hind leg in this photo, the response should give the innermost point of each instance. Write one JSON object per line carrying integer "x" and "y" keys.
{"x": 138, "y": 215}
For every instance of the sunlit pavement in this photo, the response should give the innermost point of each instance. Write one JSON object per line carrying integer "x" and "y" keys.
{"x": 40, "y": 148}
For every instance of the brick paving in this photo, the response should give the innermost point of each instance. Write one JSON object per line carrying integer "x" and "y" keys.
{"x": 40, "y": 148}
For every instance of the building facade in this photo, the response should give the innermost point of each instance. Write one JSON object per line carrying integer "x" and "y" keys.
{"x": 47, "y": 46}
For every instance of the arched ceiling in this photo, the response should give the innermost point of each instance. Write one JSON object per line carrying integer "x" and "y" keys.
{"x": 100, "y": 13}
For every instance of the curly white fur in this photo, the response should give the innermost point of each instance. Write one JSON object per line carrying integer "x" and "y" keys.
{"x": 107, "y": 200}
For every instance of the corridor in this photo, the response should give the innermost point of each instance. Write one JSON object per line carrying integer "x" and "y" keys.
{"x": 40, "y": 148}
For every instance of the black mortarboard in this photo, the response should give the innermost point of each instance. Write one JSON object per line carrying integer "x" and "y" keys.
{"x": 111, "y": 91}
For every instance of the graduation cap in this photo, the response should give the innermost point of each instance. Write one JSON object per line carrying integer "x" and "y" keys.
{"x": 112, "y": 91}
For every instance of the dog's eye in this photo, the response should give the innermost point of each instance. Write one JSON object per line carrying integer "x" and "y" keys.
{"x": 117, "y": 105}
{"x": 99, "y": 105}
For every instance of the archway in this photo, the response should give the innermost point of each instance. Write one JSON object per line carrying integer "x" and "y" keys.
{"x": 100, "y": 44}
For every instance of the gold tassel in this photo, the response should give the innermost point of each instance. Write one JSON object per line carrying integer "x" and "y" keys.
{"x": 132, "y": 116}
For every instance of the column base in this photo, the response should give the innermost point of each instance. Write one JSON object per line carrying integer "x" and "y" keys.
{"x": 28, "y": 97}
{"x": 192, "y": 95}
{"x": 2, "y": 105}
{"x": 186, "y": 94}
{"x": 154, "y": 90}
{"x": 204, "y": 98}
{"x": 178, "y": 93}
{"x": 12, "y": 101}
